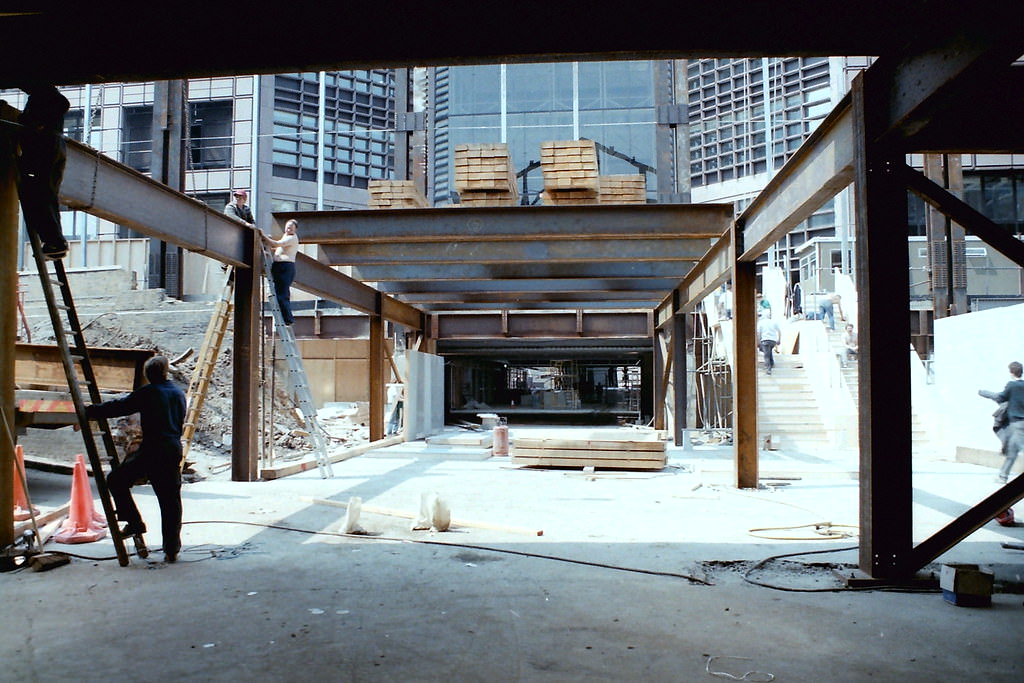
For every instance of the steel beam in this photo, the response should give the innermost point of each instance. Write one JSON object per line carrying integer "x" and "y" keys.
{"x": 562, "y": 325}
{"x": 9, "y": 226}
{"x": 515, "y": 223}
{"x": 521, "y": 271}
{"x": 551, "y": 286}
{"x": 245, "y": 364}
{"x": 962, "y": 213}
{"x": 541, "y": 306}
{"x": 820, "y": 169}
{"x": 713, "y": 269}
{"x": 186, "y": 48}
{"x": 642, "y": 299}
{"x": 524, "y": 251}
{"x": 98, "y": 185}
{"x": 744, "y": 376}
{"x": 883, "y": 295}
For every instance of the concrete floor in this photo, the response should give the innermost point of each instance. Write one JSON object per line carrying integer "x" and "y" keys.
{"x": 601, "y": 595}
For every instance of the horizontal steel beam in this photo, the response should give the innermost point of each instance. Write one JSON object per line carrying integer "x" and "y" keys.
{"x": 102, "y": 187}
{"x": 521, "y": 271}
{"x": 516, "y": 223}
{"x": 640, "y": 299}
{"x": 595, "y": 285}
{"x": 185, "y": 47}
{"x": 561, "y": 325}
{"x": 820, "y": 169}
{"x": 543, "y": 251}
{"x": 539, "y": 305}
{"x": 714, "y": 268}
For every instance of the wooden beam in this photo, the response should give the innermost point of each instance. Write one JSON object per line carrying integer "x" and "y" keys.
{"x": 883, "y": 295}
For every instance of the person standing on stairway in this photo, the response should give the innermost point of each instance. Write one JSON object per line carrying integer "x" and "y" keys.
{"x": 769, "y": 334}
{"x": 282, "y": 270}
{"x": 161, "y": 407}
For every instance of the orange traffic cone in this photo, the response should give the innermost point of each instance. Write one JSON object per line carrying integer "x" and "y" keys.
{"x": 21, "y": 506}
{"x": 84, "y": 524}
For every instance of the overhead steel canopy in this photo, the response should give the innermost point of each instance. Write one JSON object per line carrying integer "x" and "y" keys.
{"x": 560, "y": 256}
{"x": 158, "y": 41}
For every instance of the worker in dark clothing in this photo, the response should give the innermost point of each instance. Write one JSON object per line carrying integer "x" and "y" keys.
{"x": 1010, "y": 426}
{"x": 41, "y": 160}
{"x": 161, "y": 406}
{"x": 238, "y": 209}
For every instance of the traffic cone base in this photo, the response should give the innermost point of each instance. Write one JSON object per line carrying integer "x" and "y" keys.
{"x": 21, "y": 507}
{"x": 84, "y": 524}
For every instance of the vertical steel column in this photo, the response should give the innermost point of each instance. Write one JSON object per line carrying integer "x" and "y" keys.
{"x": 9, "y": 226}
{"x": 245, "y": 442}
{"x": 660, "y": 362}
{"x": 170, "y": 101}
{"x": 886, "y": 494}
{"x": 744, "y": 371}
{"x": 377, "y": 354}
{"x": 680, "y": 385}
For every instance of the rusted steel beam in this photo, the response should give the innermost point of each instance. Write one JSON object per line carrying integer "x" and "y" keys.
{"x": 245, "y": 442}
{"x": 744, "y": 376}
{"x": 541, "y": 325}
{"x": 9, "y": 226}
{"x": 522, "y": 251}
{"x": 515, "y": 223}
{"x": 521, "y": 271}
{"x": 551, "y": 285}
{"x": 883, "y": 295}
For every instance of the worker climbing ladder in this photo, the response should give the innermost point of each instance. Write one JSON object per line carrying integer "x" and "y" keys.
{"x": 297, "y": 375}
{"x": 206, "y": 362}
{"x": 70, "y": 340}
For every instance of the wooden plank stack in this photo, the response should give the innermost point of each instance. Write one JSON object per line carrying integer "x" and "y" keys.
{"x": 600, "y": 449}
{"x": 484, "y": 175}
{"x": 570, "y": 172}
{"x": 396, "y": 194}
{"x": 623, "y": 189}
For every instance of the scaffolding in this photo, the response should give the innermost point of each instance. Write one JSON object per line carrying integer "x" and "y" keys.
{"x": 712, "y": 376}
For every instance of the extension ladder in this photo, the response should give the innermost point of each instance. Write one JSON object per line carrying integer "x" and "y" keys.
{"x": 206, "y": 362}
{"x": 297, "y": 374}
{"x": 68, "y": 332}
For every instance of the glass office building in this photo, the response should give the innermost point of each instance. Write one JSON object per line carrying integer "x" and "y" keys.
{"x": 523, "y": 105}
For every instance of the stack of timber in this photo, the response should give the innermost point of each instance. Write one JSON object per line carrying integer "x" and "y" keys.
{"x": 625, "y": 449}
{"x": 623, "y": 189}
{"x": 484, "y": 175}
{"x": 396, "y": 194}
{"x": 570, "y": 172}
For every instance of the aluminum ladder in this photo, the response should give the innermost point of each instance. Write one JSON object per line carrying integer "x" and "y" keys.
{"x": 297, "y": 374}
{"x": 70, "y": 340}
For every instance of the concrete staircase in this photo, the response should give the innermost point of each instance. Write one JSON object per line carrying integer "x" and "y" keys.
{"x": 920, "y": 439}
{"x": 788, "y": 412}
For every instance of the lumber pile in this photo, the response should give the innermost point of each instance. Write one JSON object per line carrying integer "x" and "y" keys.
{"x": 600, "y": 449}
{"x": 622, "y": 189}
{"x": 396, "y": 194}
{"x": 484, "y": 175}
{"x": 570, "y": 172}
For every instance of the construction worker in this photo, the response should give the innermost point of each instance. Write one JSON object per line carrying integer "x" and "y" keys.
{"x": 238, "y": 209}
{"x": 769, "y": 334}
{"x": 161, "y": 406}
{"x": 41, "y": 160}
{"x": 282, "y": 270}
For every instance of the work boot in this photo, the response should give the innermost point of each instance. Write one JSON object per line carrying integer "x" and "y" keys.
{"x": 132, "y": 529}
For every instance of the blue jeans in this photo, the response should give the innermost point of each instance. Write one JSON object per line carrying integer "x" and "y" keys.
{"x": 283, "y": 273}
{"x": 828, "y": 311}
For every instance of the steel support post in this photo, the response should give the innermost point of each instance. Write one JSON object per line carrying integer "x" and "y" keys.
{"x": 886, "y": 494}
{"x": 245, "y": 442}
{"x": 661, "y": 364}
{"x": 8, "y": 316}
{"x": 377, "y": 354}
{"x": 680, "y": 385}
{"x": 744, "y": 375}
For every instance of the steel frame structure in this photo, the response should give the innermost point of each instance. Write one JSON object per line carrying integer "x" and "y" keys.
{"x": 939, "y": 85}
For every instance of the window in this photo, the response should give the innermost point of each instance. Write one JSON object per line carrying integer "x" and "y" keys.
{"x": 137, "y": 137}
{"x": 210, "y": 134}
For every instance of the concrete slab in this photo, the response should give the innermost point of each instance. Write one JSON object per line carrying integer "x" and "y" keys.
{"x": 615, "y": 589}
